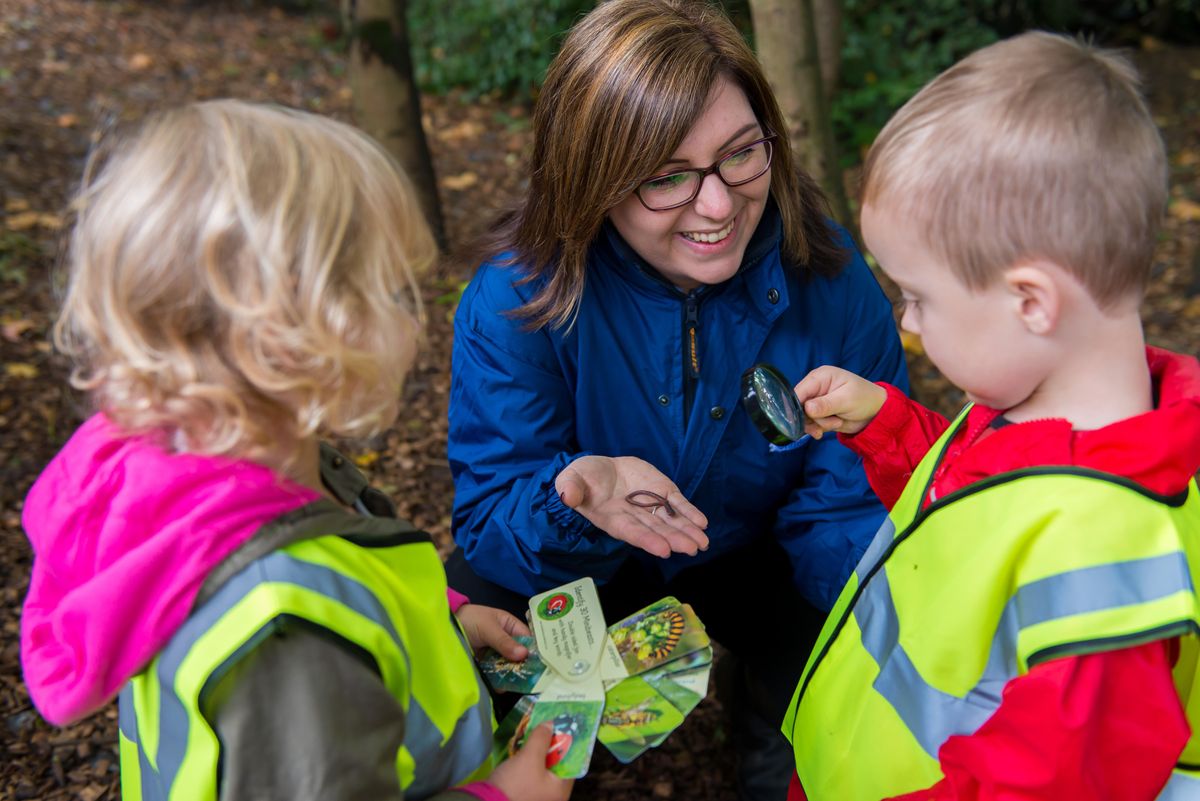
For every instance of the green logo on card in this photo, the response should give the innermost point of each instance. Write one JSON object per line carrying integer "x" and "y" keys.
{"x": 555, "y": 606}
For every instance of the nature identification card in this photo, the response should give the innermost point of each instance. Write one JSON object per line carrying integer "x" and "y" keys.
{"x": 506, "y": 676}
{"x": 575, "y": 711}
{"x": 569, "y": 627}
{"x": 510, "y": 732}
{"x": 636, "y": 718}
{"x": 661, "y": 632}
{"x": 686, "y": 662}
{"x": 684, "y": 689}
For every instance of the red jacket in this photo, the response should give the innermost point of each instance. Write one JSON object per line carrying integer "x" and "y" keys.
{"x": 1106, "y": 725}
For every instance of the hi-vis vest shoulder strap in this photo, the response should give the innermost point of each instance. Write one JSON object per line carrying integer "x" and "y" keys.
{"x": 383, "y": 595}
{"x": 952, "y": 601}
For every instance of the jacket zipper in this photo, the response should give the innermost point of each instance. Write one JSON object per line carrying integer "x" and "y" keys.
{"x": 691, "y": 353}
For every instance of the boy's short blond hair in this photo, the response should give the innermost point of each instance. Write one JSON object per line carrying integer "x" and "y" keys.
{"x": 1039, "y": 146}
{"x": 241, "y": 277}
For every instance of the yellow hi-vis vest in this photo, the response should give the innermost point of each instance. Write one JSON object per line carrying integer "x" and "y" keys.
{"x": 386, "y": 597}
{"x": 951, "y": 602}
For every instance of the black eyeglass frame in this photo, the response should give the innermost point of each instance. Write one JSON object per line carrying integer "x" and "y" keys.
{"x": 712, "y": 169}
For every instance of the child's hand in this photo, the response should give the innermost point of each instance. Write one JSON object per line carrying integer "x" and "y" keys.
{"x": 487, "y": 626}
{"x": 525, "y": 777}
{"x": 838, "y": 400}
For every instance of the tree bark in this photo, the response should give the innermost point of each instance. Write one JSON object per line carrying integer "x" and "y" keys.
{"x": 828, "y": 17}
{"x": 785, "y": 32}
{"x": 387, "y": 103}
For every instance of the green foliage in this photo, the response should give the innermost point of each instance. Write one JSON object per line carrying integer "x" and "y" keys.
{"x": 891, "y": 49}
{"x": 18, "y": 253}
{"x": 488, "y": 46}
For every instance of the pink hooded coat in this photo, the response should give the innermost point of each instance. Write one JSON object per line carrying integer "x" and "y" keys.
{"x": 124, "y": 535}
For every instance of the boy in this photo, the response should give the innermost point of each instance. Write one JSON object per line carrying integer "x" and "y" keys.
{"x": 1012, "y": 630}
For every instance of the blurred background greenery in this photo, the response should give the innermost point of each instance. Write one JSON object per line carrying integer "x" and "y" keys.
{"x": 890, "y": 47}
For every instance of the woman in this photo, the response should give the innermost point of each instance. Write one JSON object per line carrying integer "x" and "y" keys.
{"x": 666, "y": 243}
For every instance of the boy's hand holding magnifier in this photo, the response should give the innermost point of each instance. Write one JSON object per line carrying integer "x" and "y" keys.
{"x": 834, "y": 399}
{"x": 827, "y": 399}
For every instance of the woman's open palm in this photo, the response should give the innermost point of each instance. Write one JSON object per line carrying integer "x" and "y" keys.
{"x": 597, "y": 486}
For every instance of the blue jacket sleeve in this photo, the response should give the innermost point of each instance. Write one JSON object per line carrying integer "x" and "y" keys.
{"x": 830, "y": 518}
{"x": 512, "y": 430}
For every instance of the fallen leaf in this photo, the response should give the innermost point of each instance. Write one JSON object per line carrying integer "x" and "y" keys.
{"x": 21, "y": 370}
{"x": 12, "y": 329}
{"x": 23, "y": 221}
{"x": 366, "y": 459}
{"x": 1187, "y": 158}
{"x": 67, "y": 120}
{"x": 139, "y": 62}
{"x": 91, "y": 792}
{"x": 460, "y": 181}
{"x": 1194, "y": 75}
{"x": 28, "y": 219}
{"x": 1184, "y": 209}
{"x": 912, "y": 343}
{"x": 467, "y": 129}
{"x": 1150, "y": 44}
{"x": 16, "y": 204}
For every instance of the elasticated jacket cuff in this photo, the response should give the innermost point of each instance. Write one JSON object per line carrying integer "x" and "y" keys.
{"x": 570, "y": 523}
{"x": 484, "y": 791}
{"x": 457, "y": 600}
{"x": 884, "y": 429}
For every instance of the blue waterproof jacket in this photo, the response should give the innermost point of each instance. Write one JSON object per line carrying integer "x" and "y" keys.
{"x": 524, "y": 404}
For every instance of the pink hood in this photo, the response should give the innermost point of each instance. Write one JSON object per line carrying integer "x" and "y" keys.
{"x": 123, "y": 536}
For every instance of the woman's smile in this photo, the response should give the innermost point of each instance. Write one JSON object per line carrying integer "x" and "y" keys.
{"x": 702, "y": 242}
{"x": 710, "y": 237}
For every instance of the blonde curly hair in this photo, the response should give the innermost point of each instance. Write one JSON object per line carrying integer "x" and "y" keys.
{"x": 241, "y": 278}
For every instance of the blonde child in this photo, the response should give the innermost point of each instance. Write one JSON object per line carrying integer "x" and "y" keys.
{"x": 1011, "y": 632}
{"x": 240, "y": 283}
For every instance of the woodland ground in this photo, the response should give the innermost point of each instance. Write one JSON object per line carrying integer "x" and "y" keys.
{"x": 68, "y": 66}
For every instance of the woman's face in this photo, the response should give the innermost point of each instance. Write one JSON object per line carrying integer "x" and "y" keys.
{"x": 703, "y": 241}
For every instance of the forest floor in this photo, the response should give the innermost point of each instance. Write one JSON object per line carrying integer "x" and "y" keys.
{"x": 69, "y": 67}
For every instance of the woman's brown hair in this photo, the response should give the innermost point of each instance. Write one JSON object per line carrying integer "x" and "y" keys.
{"x": 630, "y": 81}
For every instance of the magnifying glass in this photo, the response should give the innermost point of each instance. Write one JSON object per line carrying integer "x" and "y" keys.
{"x": 768, "y": 398}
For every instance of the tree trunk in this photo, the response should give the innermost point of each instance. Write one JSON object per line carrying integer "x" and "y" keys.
{"x": 785, "y": 32}
{"x": 387, "y": 104}
{"x": 828, "y": 17}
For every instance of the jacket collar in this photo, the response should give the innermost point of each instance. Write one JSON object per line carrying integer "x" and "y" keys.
{"x": 759, "y": 272}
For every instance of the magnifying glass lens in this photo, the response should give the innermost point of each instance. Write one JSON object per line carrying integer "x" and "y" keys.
{"x": 768, "y": 398}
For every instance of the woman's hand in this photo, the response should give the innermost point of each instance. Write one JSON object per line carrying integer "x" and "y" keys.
{"x": 596, "y": 486}
{"x": 525, "y": 776}
{"x": 838, "y": 400}
{"x": 486, "y": 626}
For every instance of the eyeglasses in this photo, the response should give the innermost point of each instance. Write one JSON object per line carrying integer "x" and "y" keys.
{"x": 674, "y": 189}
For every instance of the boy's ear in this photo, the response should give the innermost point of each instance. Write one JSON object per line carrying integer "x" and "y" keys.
{"x": 1037, "y": 296}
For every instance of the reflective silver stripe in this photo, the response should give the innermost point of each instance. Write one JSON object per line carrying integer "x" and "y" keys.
{"x": 1181, "y": 787}
{"x": 932, "y": 715}
{"x": 126, "y": 715}
{"x": 465, "y": 751}
{"x": 151, "y": 783}
{"x": 875, "y": 551}
{"x": 282, "y": 567}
